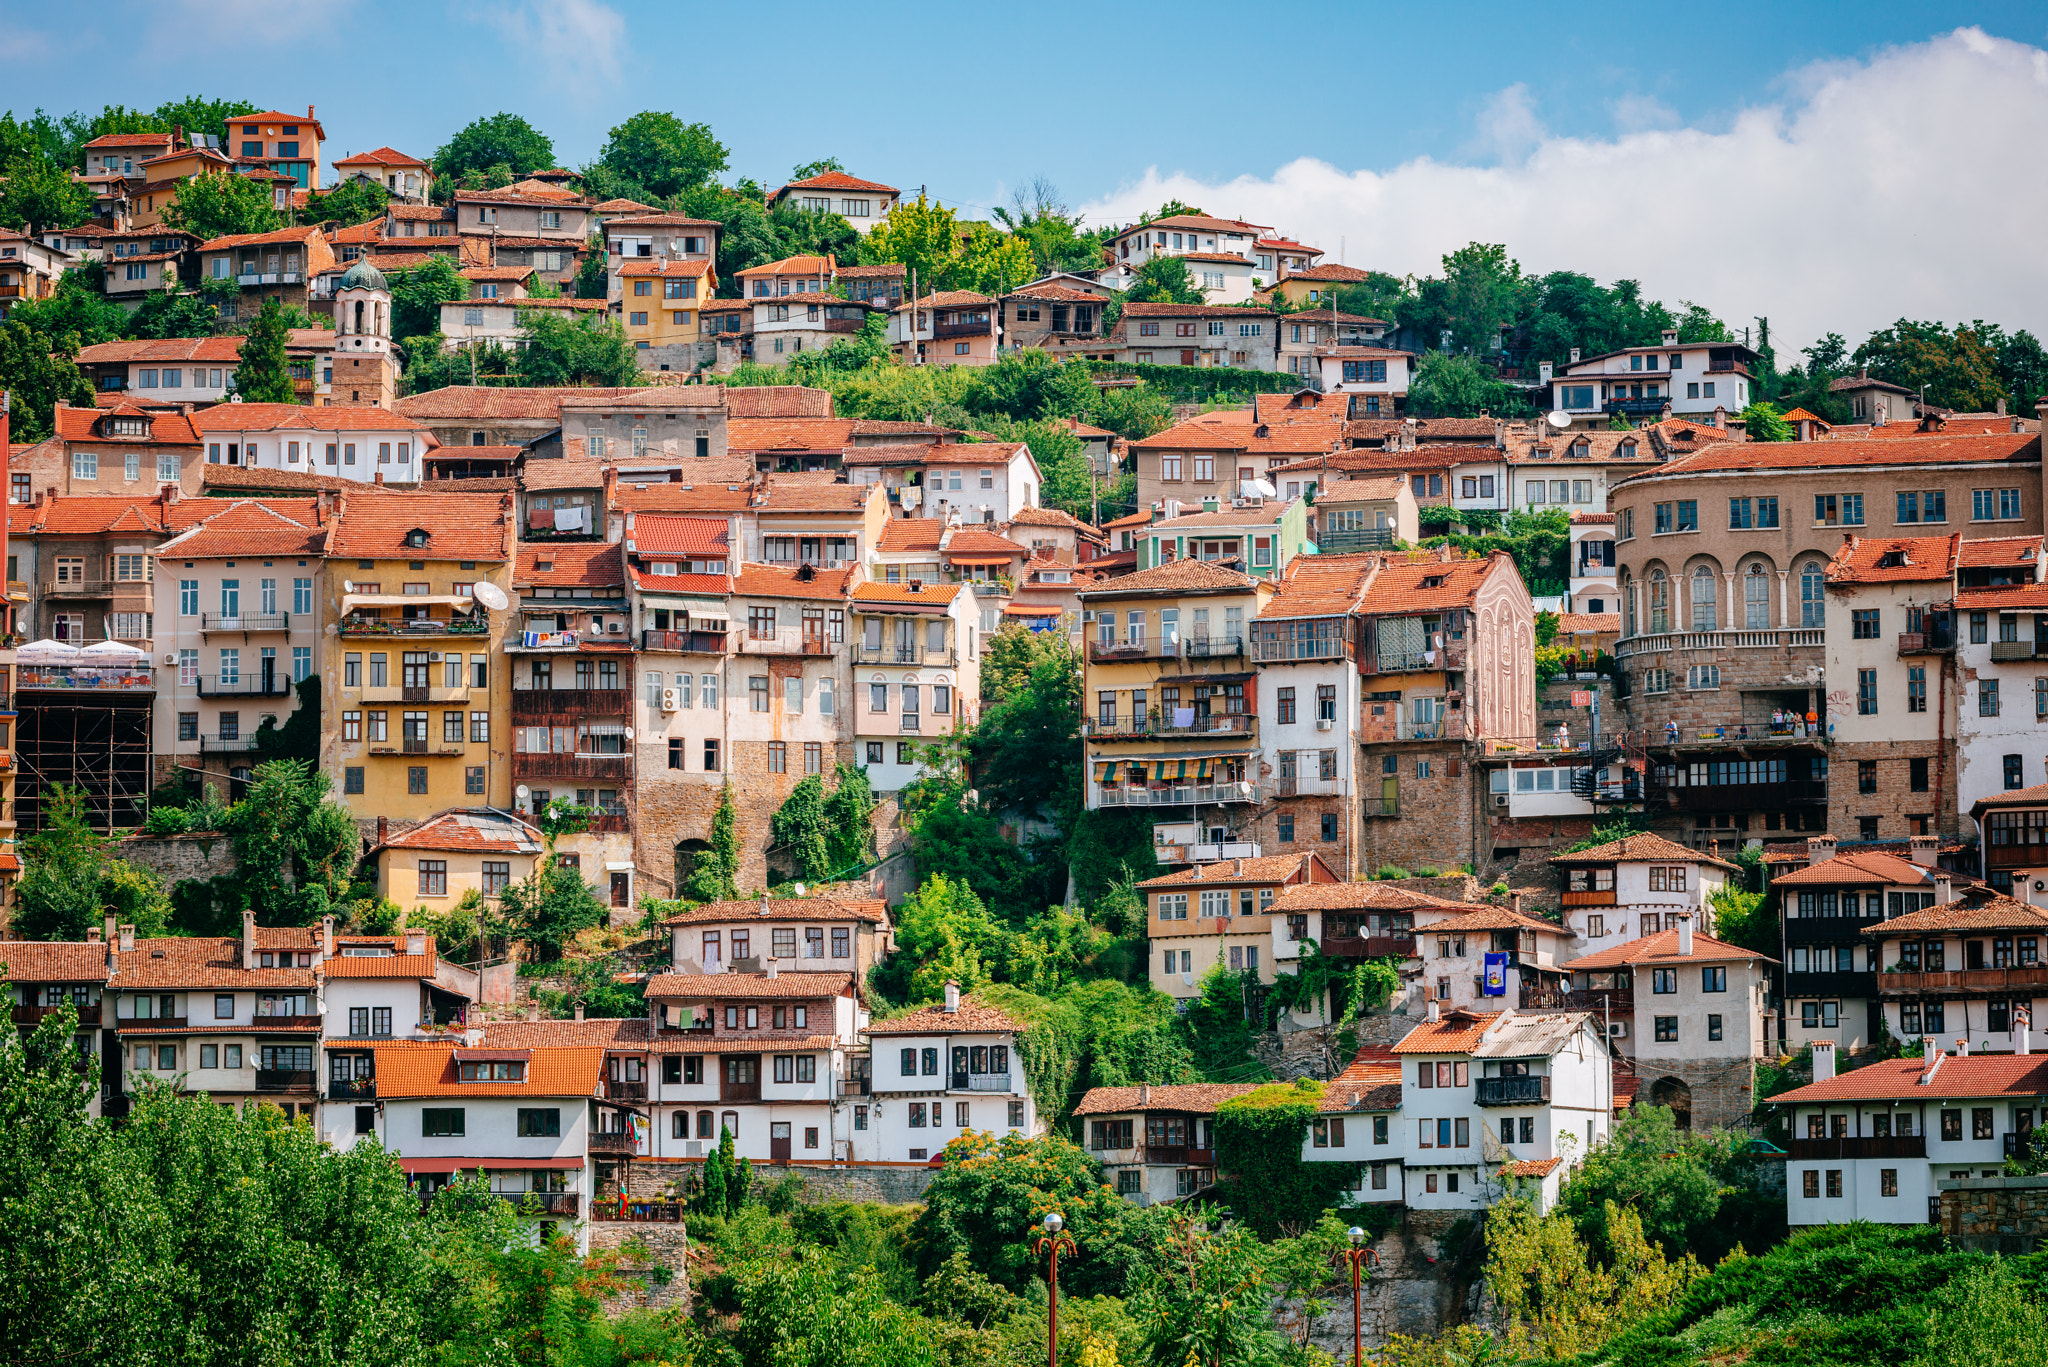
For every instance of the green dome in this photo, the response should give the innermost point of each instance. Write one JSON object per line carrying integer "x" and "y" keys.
{"x": 362, "y": 276}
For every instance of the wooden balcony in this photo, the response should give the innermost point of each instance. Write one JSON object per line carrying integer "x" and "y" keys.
{"x": 739, "y": 1091}
{"x": 1370, "y": 946}
{"x": 1177, "y": 1155}
{"x": 617, "y": 1090}
{"x": 293, "y": 1080}
{"x": 545, "y": 1202}
{"x": 1598, "y": 897}
{"x": 1991, "y": 981}
{"x": 263, "y": 1022}
{"x": 153, "y": 1023}
{"x": 352, "y": 1089}
{"x": 571, "y": 702}
{"x": 1513, "y": 1091}
{"x": 526, "y": 765}
{"x": 683, "y": 642}
{"x": 611, "y": 1141}
{"x": 1890, "y": 1146}
{"x": 35, "y": 1015}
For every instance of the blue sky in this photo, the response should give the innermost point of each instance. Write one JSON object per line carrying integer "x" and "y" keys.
{"x": 1112, "y": 102}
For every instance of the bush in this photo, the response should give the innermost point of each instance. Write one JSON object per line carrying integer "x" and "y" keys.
{"x": 1389, "y": 872}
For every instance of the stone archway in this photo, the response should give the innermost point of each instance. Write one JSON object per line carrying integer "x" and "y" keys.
{"x": 1677, "y": 1094}
{"x": 686, "y": 852}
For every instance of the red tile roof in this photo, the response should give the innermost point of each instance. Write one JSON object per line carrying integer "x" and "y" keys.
{"x": 166, "y": 428}
{"x": 1194, "y": 1098}
{"x": 459, "y": 526}
{"x": 219, "y": 349}
{"x": 570, "y": 565}
{"x": 2022, "y": 448}
{"x": 1662, "y": 948}
{"x": 253, "y": 527}
{"x": 407, "y": 1069}
{"x": 1587, "y": 623}
{"x": 1894, "y": 559}
{"x": 1362, "y": 896}
{"x": 273, "y": 417}
{"x": 1177, "y": 576}
{"x": 935, "y": 596}
{"x": 667, "y": 497}
{"x": 1970, "y": 1076}
{"x": 307, "y": 236}
{"x": 1643, "y": 848}
{"x": 785, "y": 909}
{"x": 379, "y": 156}
{"x": 1163, "y": 310}
{"x": 198, "y": 961}
{"x": 1988, "y": 551}
{"x": 740, "y": 986}
{"x": 1433, "y": 585}
{"x": 836, "y": 180}
{"x": 689, "y": 538}
{"x": 1200, "y": 223}
{"x": 1860, "y": 868}
{"x": 775, "y": 581}
{"x": 1271, "y": 868}
{"x": 2027, "y": 597}
{"x": 35, "y": 961}
{"x": 484, "y": 402}
{"x": 1458, "y": 1032}
{"x": 1334, "y": 274}
{"x": 971, "y": 1019}
{"x": 1978, "y": 909}
{"x": 789, "y": 434}
{"x": 1321, "y": 586}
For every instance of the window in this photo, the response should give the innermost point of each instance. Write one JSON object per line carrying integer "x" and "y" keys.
{"x": 1989, "y": 505}
{"x": 441, "y": 1122}
{"x": 1663, "y": 981}
{"x": 1916, "y": 699}
{"x": 1667, "y": 1029}
{"x": 1713, "y": 980}
{"x": 2015, "y": 776}
{"x": 539, "y": 1122}
{"x": 433, "y": 878}
{"x": 1987, "y": 698}
{"x": 1863, "y": 624}
{"x": 1866, "y": 692}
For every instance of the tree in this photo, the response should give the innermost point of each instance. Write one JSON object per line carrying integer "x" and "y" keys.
{"x": 418, "y": 293}
{"x": 1173, "y": 208}
{"x": 263, "y": 374}
{"x": 219, "y": 204}
{"x": 1039, "y": 216}
{"x": 355, "y": 200}
{"x": 172, "y": 312}
{"x": 663, "y": 153}
{"x": 1219, "y": 1028}
{"x": 38, "y": 194}
{"x": 295, "y": 846}
{"x": 1448, "y": 386}
{"x": 550, "y": 908}
{"x": 944, "y": 934}
{"x": 1379, "y": 295}
{"x": 992, "y": 263}
{"x": 570, "y": 349}
{"x": 1763, "y": 422}
{"x": 39, "y": 373}
{"x": 1207, "y": 1300}
{"x": 849, "y": 817}
{"x": 1696, "y": 324}
{"x": 1163, "y": 280}
{"x": 712, "y": 876}
{"x": 594, "y": 276}
{"x": 1479, "y": 292}
{"x": 1955, "y": 367}
{"x": 923, "y": 236}
{"x": 58, "y": 895}
{"x": 499, "y": 139}
{"x": 812, "y": 169}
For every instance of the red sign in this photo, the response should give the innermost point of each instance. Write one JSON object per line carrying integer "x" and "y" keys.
{"x": 1582, "y": 698}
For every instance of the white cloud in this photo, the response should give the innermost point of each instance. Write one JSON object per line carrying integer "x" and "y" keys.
{"x": 1904, "y": 185}
{"x": 1633, "y": 113}
{"x": 577, "y": 42}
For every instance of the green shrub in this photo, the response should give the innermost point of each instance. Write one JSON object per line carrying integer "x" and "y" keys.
{"x": 1391, "y": 871}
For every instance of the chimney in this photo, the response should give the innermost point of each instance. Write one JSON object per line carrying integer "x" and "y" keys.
{"x": 1543, "y": 371}
{"x": 1670, "y": 336}
{"x": 1922, "y": 849}
{"x": 952, "y": 998}
{"x": 2020, "y": 1041}
{"x": 1433, "y": 1013}
{"x": 110, "y": 928}
{"x": 764, "y": 904}
{"x": 1515, "y": 903}
{"x": 309, "y": 111}
{"x": 1144, "y": 1094}
{"x": 380, "y": 475}
{"x": 1685, "y": 934}
{"x": 1863, "y": 372}
{"x": 92, "y": 935}
{"x": 415, "y": 942}
{"x": 1819, "y": 849}
{"x": 383, "y": 829}
{"x": 327, "y": 936}
{"x": 1575, "y": 355}
{"x": 1930, "y": 1051}
{"x": 249, "y": 939}
{"x": 1823, "y": 1060}
{"x": 1944, "y": 889}
{"x": 1962, "y": 1046}
{"x": 579, "y": 1010}
{"x": 2001, "y": 413}
{"x": 772, "y": 968}
{"x": 533, "y": 1008}
{"x": 128, "y": 939}
{"x": 657, "y": 1016}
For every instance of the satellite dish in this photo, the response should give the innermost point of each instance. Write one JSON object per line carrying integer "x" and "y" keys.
{"x": 799, "y": 889}
{"x": 523, "y": 791}
{"x": 348, "y": 586}
{"x": 490, "y": 595}
{"x": 1559, "y": 419}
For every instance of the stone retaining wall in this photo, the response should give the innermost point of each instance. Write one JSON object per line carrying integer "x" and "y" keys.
{"x": 176, "y": 858}
{"x": 1995, "y": 1214}
{"x": 654, "y": 1179}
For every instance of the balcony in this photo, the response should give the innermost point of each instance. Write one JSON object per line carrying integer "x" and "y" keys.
{"x": 228, "y": 745}
{"x": 284, "y": 1080}
{"x": 1598, "y": 897}
{"x": 1618, "y": 1003}
{"x": 415, "y": 693}
{"x": 1746, "y": 797}
{"x": 980, "y": 329}
{"x": 683, "y": 642}
{"x": 1379, "y": 806}
{"x": 1370, "y": 946}
{"x": 529, "y": 765}
{"x": 1513, "y": 1091}
{"x": 639, "y": 1212}
{"x": 150, "y": 1023}
{"x": 783, "y": 643}
{"x": 414, "y": 627}
{"x": 739, "y": 1091}
{"x": 1305, "y": 785}
{"x": 1177, "y": 1156}
{"x": 899, "y": 655}
{"x": 1887, "y": 1146}
{"x": 262, "y": 1022}
{"x": 245, "y": 621}
{"x": 35, "y": 1015}
{"x": 617, "y": 1090}
{"x": 545, "y": 1202}
{"x": 1330, "y": 646}
{"x": 1635, "y": 407}
{"x": 1179, "y": 796}
{"x": 910, "y": 724}
{"x": 352, "y": 1089}
{"x": 1940, "y": 641}
{"x": 981, "y": 1082}
{"x": 2003, "y": 651}
{"x": 244, "y": 686}
{"x": 1659, "y": 642}
{"x": 615, "y": 1141}
{"x": 1114, "y": 652}
{"x": 1994, "y": 981}
{"x": 2023, "y": 1145}
{"x": 88, "y": 588}
{"x": 1163, "y": 724}
{"x": 1206, "y": 647}
{"x": 570, "y": 702}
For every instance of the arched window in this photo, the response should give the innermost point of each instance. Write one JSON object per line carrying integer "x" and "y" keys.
{"x": 1660, "y": 603}
{"x": 1756, "y": 599}
{"x": 1704, "y": 617}
{"x": 731, "y": 1122}
{"x": 1812, "y": 601}
{"x": 682, "y": 1125}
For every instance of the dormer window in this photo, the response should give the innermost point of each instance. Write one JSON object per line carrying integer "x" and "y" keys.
{"x": 506, "y": 1071}
{"x": 366, "y": 951}
{"x": 1892, "y": 560}
{"x": 1581, "y": 449}
{"x": 127, "y": 427}
{"x": 1433, "y": 581}
{"x": 1627, "y": 450}
{"x": 416, "y": 537}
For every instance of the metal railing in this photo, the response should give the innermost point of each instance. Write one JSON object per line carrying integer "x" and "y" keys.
{"x": 1180, "y": 795}
{"x": 782, "y": 643}
{"x": 414, "y": 626}
{"x": 895, "y": 655}
{"x": 284, "y": 1079}
{"x": 611, "y": 1141}
{"x": 244, "y": 686}
{"x": 1158, "y": 724}
{"x": 527, "y": 764}
{"x": 245, "y": 621}
{"x": 85, "y": 588}
{"x": 2002, "y": 651}
{"x": 352, "y": 1089}
{"x": 540, "y": 702}
{"x": 981, "y": 1082}
{"x": 683, "y": 642}
{"x": 617, "y": 1089}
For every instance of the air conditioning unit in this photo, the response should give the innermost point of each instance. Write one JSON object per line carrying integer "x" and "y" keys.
{"x": 1500, "y": 800}
{"x": 694, "y": 1149}
{"x": 616, "y": 628}
{"x": 1087, "y": 615}
{"x": 1617, "y": 1029}
{"x": 171, "y": 657}
{"x": 433, "y": 657}
{"x": 671, "y": 701}
{"x": 1325, "y": 724}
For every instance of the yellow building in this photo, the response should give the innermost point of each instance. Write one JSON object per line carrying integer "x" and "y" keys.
{"x": 658, "y": 303}
{"x": 435, "y": 865}
{"x": 416, "y": 714}
{"x": 1170, "y": 699}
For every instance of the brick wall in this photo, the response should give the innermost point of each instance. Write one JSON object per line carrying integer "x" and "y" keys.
{"x": 1894, "y": 802}
{"x": 1435, "y": 826}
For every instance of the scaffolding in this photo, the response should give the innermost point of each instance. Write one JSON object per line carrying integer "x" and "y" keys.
{"x": 97, "y": 743}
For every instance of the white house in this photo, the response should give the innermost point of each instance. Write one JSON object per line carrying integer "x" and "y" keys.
{"x": 1379, "y": 375}
{"x": 1593, "y": 580}
{"x": 1156, "y": 1144}
{"x": 1874, "y": 1144}
{"x": 350, "y": 441}
{"x": 380, "y": 987}
{"x": 1487, "y": 1095}
{"x": 1360, "y": 1121}
{"x": 939, "y": 1072}
{"x": 1691, "y": 379}
{"x": 1967, "y": 969}
{"x": 1223, "y": 255}
{"x": 2001, "y": 716}
{"x": 1637, "y": 886}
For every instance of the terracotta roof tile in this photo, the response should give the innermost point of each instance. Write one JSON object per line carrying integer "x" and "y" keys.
{"x": 1576, "y": 623}
{"x": 906, "y": 535}
{"x": 474, "y": 402}
{"x": 836, "y": 180}
{"x": 789, "y": 434}
{"x": 1861, "y": 868}
{"x": 252, "y": 527}
{"x": 222, "y": 349}
{"x": 744, "y": 1042}
{"x": 1178, "y": 576}
{"x": 1321, "y": 586}
{"x": 1432, "y": 585}
{"x": 379, "y": 156}
{"x": 1974, "y": 1075}
{"x": 196, "y": 962}
{"x": 599, "y": 1032}
{"x": 274, "y": 417}
{"x": 2026, "y": 597}
{"x": 790, "y": 986}
{"x": 1641, "y": 848}
{"x": 691, "y": 538}
{"x": 781, "y": 494}
{"x": 1334, "y": 274}
{"x": 406, "y": 1069}
{"x": 36, "y": 961}
{"x": 1662, "y": 948}
{"x": 2022, "y": 448}
{"x": 409, "y": 966}
{"x": 458, "y": 526}
{"x": 777, "y": 581}
{"x": 1196, "y": 1098}
{"x": 667, "y": 497}
{"x": 1361, "y": 896}
{"x": 971, "y": 1019}
{"x": 1459, "y": 1032}
{"x": 1161, "y": 310}
{"x": 789, "y": 265}
{"x": 1271, "y": 868}
{"x": 936, "y": 596}
{"x": 785, "y": 909}
{"x": 1200, "y": 223}
{"x": 1978, "y": 909}
{"x": 1984, "y": 551}
{"x": 1894, "y": 559}
{"x": 570, "y": 565}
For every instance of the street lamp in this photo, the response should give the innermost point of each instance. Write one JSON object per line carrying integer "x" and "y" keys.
{"x": 1050, "y": 1244}
{"x": 1358, "y": 1256}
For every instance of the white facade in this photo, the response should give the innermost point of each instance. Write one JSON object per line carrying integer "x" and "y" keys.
{"x": 911, "y": 1119}
{"x": 2001, "y": 716}
{"x": 1593, "y": 582}
{"x": 916, "y": 674}
{"x": 1683, "y": 376}
{"x": 235, "y": 637}
{"x": 320, "y": 442}
{"x": 1364, "y": 371}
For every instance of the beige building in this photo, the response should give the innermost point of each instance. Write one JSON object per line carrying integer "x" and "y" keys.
{"x": 433, "y": 866}
{"x": 1220, "y": 914}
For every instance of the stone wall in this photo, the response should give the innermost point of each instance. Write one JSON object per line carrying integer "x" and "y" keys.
{"x": 1426, "y": 1281}
{"x": 176, "y": 858}
{"x": 1434, "y": 827}
{"x": 654, "y": 1258}
{"x": 1894, "y": 803}
{"x": 1995, "y": 1214}
{"x": 883, "y": 1184}
{"x": 1721, "y": 1092}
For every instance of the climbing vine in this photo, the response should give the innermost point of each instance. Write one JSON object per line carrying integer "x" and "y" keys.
{"x": 713, "y": 872}
{"x": 1258, "y": 1144}
{"x": 799, "y": 828}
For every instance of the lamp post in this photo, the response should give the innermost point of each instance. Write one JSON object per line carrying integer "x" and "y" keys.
{"x": 1050, "y": 1244}
{"x": 1358, "y": 1256}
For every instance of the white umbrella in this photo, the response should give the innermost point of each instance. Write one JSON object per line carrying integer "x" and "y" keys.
{"x": 47, "y": 652}
{"x": 108, "y": 652}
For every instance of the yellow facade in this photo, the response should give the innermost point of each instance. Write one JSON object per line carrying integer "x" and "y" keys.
{"x": 416, "y": 699}
{"x": 659, "y": 300}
